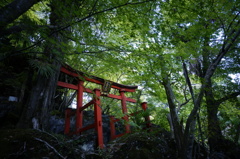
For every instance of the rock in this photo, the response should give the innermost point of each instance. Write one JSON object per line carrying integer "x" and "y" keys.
{"x": 57, "y": 124}
{"x": 143, "y": 145}
{"x": 6, "y": 107}
{"x": 9, "y": 114}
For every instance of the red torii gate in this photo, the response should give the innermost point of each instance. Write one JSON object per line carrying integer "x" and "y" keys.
{"x": 106, "y": 86}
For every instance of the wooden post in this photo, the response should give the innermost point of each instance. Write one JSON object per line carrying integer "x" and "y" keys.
{"x": 124, "y": 110}
{"x": 79, "y": 114}
{"x": 147, "y": 118}
{"x": 98, "y": 118}
{"x": 67, "y": 120}
{"x": 112, "y": 127}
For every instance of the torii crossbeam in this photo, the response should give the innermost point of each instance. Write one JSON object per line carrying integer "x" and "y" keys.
{"x": 106, "y": 86}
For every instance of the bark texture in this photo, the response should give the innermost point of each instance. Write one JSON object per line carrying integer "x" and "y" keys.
{"x": 41, "y": 100}
{"x": 14, "y": 10}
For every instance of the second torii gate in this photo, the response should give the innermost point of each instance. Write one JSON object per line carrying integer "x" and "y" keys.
{"x": 106, "y": 86}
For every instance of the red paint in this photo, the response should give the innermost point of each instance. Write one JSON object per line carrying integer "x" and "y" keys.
{"x": 67, "y": 85}
{"x": 98, "y": 118}
{"x": 67, "y": 121}
{"x": 79, "y": 114}
{"x": 124, "y": 110}
{"x": 97, "y": 125}
{"x": 112, "y": 127}
{"x": 91, "y": 126}
{"x": 147, "y": 118}
{"x": 74, "y": 73}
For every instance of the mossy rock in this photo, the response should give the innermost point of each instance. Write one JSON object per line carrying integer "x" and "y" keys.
{"x": 142, "y": 145}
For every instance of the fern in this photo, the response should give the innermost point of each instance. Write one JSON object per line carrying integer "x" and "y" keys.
{"x": 43, "y": 68}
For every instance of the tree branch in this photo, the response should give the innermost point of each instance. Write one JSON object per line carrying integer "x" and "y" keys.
{"x": 213, "y": 66}
{"x": 186, "y": 102}
{"x": 84, "y": 18}
{"x": 46, "y": 143}
{"x": 19, "y": 28}
{"x": 185, "y": 72}
{"x": 210, "y": 71}
{"x": 102, "y": 11}
{"x": 13, "y": 10}
{"x": 227, "y": 97}
{"x": 230, "y": 25}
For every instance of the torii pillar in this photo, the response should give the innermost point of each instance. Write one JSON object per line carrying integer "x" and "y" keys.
{"x": 124, "y": 110}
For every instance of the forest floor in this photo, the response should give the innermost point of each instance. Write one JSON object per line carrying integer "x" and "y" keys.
{"x": 30, "y": 143}
{"x": 36, "y": 144}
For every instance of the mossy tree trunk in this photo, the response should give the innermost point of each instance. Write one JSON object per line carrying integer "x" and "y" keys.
{"x": 41, "y": 99}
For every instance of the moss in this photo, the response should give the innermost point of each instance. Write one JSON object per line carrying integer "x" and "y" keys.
{"x": 56, "y": 112}
{"x": 142, "y": 145}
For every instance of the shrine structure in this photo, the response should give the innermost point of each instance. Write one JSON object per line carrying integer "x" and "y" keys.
{"x": 80, "y": 78}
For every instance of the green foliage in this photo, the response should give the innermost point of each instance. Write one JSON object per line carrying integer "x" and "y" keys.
{"x": 229, "y": 118}
{"x": 55, "y": 112}
{"x": 42, "y": 67}
{"x": 135, "y": 43}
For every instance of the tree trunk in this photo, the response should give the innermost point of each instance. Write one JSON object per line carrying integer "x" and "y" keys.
{"x": 183, "y": 139}
{"x": 171, "y": 125}
{"x": 41, "y": 100}
{"x": 214, "y": 130}
{"x": 13, "y": 10}
{"x": 236, "y": 139}
{"x": 176, "y": 125}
